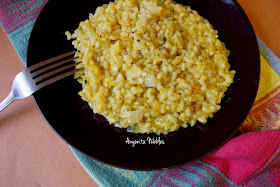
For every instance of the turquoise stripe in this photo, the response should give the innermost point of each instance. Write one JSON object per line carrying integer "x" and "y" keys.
{"x": 23, "y": 13}
{"x": 268, "y": 162}
{"x": 197, "y": 174}
{"x": 271, "y": 58}
{"x": 108, "y": 176}
{"x": 201, "y": 176}
{"x": 20, "y": 37}
{"x": 13, "y": 4}
{"x": 219, "y": 172}
{"x": 150, "y": 176}
{"x": 158, "y": 178}
{"x": 14, "y": 10}
{"x": 22, "y": 21}
{"x": 31, "y": 8}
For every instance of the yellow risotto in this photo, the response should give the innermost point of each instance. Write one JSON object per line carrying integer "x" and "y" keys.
{"x": 151, "y": 66}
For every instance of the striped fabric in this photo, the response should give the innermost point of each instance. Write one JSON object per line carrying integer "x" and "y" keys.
{"x": 251, "y": 159}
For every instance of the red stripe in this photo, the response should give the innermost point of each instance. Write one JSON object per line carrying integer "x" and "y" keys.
{"x": 13, "y": 16}
{"x": 265, "y": 116}
{"x": 154, "y": 178}
{"x": 268, "y": 95}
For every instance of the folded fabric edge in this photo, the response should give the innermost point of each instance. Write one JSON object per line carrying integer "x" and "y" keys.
{"x": 272, "y": 161}
{"x": 20, "y": 38}
{"x": 269, "y": 55}
{"x": 90, "y": 173}
{"x": 228, "y": 158}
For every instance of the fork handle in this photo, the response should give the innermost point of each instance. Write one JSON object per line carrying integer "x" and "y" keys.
{"x": 10, "y": 98}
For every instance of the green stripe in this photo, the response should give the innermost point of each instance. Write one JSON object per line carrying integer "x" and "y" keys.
{"x": 219, "y": 172}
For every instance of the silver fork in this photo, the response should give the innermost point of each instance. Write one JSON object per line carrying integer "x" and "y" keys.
{"x": 36, "y": 77}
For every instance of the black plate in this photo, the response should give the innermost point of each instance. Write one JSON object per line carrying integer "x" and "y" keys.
{"x": 91, "y": 134}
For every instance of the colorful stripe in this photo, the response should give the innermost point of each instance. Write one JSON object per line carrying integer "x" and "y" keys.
{"x": 266, "y": 115}
{"x": 271, "y": 58}
{"x": 266, "y": 98}
{"x": 155, "y": 179}
{"x": 114, "y": 177}
{"x": 268, "y": 175}
{"x": 20, "y": 37}
{"x": 275, "y": 157}
{"x": 197, "y": 173}
{"x": 16, "y": 14}
{"x": 220, "y": 173}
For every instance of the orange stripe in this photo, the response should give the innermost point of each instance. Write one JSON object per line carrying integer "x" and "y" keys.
{"x": 265, "y": 116}
{"x": 267, "y": 97}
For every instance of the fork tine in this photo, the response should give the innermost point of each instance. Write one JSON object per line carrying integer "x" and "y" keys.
{"x": 37, "y": 73}
{"x": 54, "y": 79}
{"x": 40, "y": 64}
{"x": 49, "y": 74}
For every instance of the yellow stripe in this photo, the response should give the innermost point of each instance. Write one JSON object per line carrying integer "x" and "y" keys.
{"x": 277, "y": 125}
{"x": 269, "y": 79}
{"x": 265, "y": 100}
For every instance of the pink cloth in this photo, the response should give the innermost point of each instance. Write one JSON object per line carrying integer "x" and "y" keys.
{"x": 249, "y": 155}
{"x": 251, "y": 160}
